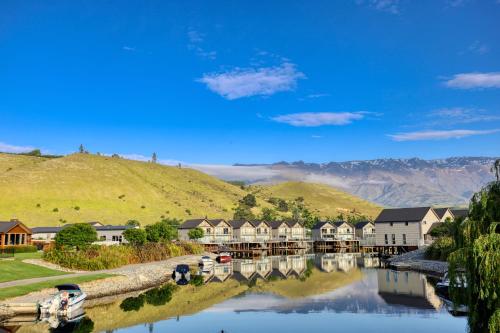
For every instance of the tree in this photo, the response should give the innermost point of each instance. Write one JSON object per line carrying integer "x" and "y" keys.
{"x": 161, "y": 231}
{"x": 34, "y": 152}
{"x": 136, "y": 237}
{"x": 154, "y": 158}
{"x": 478, "y": 253}
{"x": 80, "y": 235}
{"x": 133, "y": 223}
{"x": 196, "y": 233}
{"x": 81, "y": 149}
{"x": 496, "y": 169}
{"x": 268, "y": 214}
{"x": 243, "y": 212}
{"x": 249, "y": 200}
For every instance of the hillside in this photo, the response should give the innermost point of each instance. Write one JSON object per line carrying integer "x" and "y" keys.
{"x": 43, "y": 191}
{"x": 321, "y": 199}
{"x": 83, "y": 187}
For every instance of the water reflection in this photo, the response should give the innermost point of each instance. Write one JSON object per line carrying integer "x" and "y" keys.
{"x": 325, "y": 286}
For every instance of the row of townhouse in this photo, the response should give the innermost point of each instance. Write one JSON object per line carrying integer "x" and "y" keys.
{"x": 222, "y": 231}
{"x": 339, "y": 230}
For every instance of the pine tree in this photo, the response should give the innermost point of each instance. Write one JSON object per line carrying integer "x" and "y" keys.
{"x": 154, "y": 159}
{"x": 81, "y": 149}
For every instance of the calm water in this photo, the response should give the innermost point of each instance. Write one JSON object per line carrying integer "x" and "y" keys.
{"x": 334, "y": 292}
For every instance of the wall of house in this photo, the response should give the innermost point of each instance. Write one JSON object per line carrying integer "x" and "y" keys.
{"x": 328, "y": 233}
{"x": 282, "y": 232}
{"x": 245, "y": 233}
{"x": 111, "y": 236}
{"x": 219, "y": 232}
{"x": 447, "y": 215}
{"x": 345, "y": 232}
{"x": 412, "y": 231}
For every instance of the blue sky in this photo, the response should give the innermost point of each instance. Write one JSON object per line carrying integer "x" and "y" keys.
{"x": 252, "y": 82}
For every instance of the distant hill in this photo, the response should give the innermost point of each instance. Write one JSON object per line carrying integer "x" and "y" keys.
{"x": 321, "y": 199}
{"x": 388, "y": 182}
{"x": 83, "y": 187}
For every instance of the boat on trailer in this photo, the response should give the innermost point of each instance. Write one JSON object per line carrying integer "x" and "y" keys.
{"x": 68, "y": 300}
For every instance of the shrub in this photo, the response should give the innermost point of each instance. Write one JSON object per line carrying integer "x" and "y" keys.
{"x": 249, "y": 200}
{"x": 77, "y": 208}
{"x": 440, "y": 249}
{"x": 79, "y": 235}
{"x": 135, "y": 237}
{"x": 192, "y": 248}
{"x": 23, "y": 249}
{"x": 55, "y": 210}
{"x": 161, "y": 231}
{"x": 132, "y": 303}
{"x": 160, "y": 296}
{"x": 196, "y": 233}
{"x": 133, "y": 223}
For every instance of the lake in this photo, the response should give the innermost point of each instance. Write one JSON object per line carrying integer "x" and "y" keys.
{"x": 336, "y": 292}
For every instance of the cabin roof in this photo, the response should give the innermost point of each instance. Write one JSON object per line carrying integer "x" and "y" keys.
{"x": 257, "y": 223}
{"x": 216, "y": 222}
{"x": 293, "y": 223}
{"x": 361, "y": 225}
{"x": 49, "y": 230}
{"x": 414, "y": 214}
{"x": 193, "y": 223}
{"x": 320, "y": 225}
{"x": 276, "y": 224}
{"x": 236, "y": 224}
{"x": 460, "y": 212}
{"x": 441, "y": 211}
{"x": 5, "y": 226}
{"x": 45, "y": 230}
{"x": 113, "y": 227}
{"x": 339, "y": 223}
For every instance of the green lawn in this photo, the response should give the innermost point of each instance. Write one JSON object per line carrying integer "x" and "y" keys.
{"x": 23, "y": 290}
{"x": 15, "y": 269}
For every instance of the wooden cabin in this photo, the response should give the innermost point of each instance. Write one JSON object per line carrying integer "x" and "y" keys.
{"x": 14, "y": 233}
{"x": 444, "y": 214}
{"x": 223, "y": 232}
{"x": 297, "y": 230}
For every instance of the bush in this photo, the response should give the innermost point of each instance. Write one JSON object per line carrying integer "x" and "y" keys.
{"x": 136, "y": 237}
{"x": 80, "y": 235}
{"x": 249, "y": 200}
{"x": 161, "y": 231}
{"x": 23, "y": 248}
{"x": 192, "y": 248}
{"x": 440, "y": 249}
{"x": 196, "y": 233}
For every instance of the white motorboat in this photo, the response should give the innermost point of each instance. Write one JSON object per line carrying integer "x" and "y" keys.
{"x": 68, "y": 300}
{"x": 206, "y": 264}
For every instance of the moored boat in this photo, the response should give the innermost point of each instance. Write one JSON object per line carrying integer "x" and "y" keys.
{"x": 69, "y": 299}
{"x": 223, "y": 257}
{"x": 206, "y": 263}
{"x": 181, "y": 274}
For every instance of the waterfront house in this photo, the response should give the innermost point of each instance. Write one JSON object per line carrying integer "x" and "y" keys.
{"x": 263, "y": 231}
{"x": 297, "y": 264}
{"x": 344, "y": 230}
{"x": 281, "y": 267}
{"x": 14, "y": 233}
{"x": 243, "y": 231}
{"x": 444, "y": 214}
{"x": 297, "y": 230}
{"x": 280, "y": 230}
{"x": 365, "y": 232}
{"x": 106, "y": 234}
{"x": 323, "y": 231}
{"x": 223, "y": 232}
{"x": 243, "y": 270}
{"x": 263, "y": 267}
{"x": 405, "y": 227}
{"x": 204, "y": 224}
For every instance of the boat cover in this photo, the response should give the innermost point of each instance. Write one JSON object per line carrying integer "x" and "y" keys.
{"x": 68, "y": 286}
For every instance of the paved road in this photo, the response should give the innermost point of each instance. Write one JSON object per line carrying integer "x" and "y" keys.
{"x": 125, "y": 270}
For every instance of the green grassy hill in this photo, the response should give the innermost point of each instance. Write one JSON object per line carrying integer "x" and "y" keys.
{"x": 323, "y": 200}
{"x": 82, "y": 187}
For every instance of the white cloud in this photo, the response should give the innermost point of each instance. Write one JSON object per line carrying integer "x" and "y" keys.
{"x": 478, "y": 47}
{"x": 313, "y": 119}
{"x": 246, "y": 82}
{"x": 459, "y": 115}
{"x": 319, "y": 95}
{"x": 439, "y": 135}
{"x": 129, "y": 48}
{"x": 474, "y": 80}
{"x": 6, "y": 148}
{"x": 196, "y": 39}
{"x": 316, "y": 136}
{"x": 231, "y": 172}
{"x": 389, "y": 6}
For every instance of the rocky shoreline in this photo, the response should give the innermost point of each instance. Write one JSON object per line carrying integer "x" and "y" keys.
{"x": 415, "y": 261}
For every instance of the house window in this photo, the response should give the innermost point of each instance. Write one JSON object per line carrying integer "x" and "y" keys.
{"x": 226, "y": 231}
{"x": 406, "y": 223}
{"x": 265, "y": 230}
{"x": 393, "y": 239}
{"x": 404, "y": 239}
{"x": 392, "y": 223}
{"x": 117, "y": 238}
{"x": 208, "y": 230}
{"x": 332, "y": 231}
{"x": 258, "y": 231}
{"x": 386, "y": 239}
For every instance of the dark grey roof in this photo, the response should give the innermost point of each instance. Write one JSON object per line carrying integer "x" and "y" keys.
{"x": 339, "y": 223}
{"x": 361, "y": 225}
{"x": 257, "y": 223}
{"x": 292, "y": 223}
{"x": 46, "y": 230}
{"x": 434, "y": 226}
{"x": 319, "y": 225}
{"x": 236, "y": 224}
{"x": 216, "y": 222}
{"x": 460, "y": 212}
{"x": 415, "y": 214}
{"x": 190, "y": 224}
{"x": 6, "y": 226}
{"x": 276, "y": 224}
{"x": 440, "y": 212}
{"x": 113, "y": 227}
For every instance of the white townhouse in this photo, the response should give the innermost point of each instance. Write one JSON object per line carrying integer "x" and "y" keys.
{"x": 263, "y": 231}
{"x": 243, "y": 231}
{"x": 297, "y": 230}
{"x": 365, "y": 232}
{"x": 344, "y": 230}
{"x": 406, "y": 227}
{"x": 204, "y": 224}
{"x": 280, "y": 230}
{"x": 323, "y": 231}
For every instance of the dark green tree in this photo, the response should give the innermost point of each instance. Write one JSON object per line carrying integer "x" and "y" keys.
{"x": 136, "y": 237}
{"x": 35, "y": 152}
{"x": 268, "y": 214}
{"x": 154, "y": 158}
{"x": 80, "y": 235}
{"x": 196, "y": 233}
{"x": 81, "y": 149}
{"x": 133, "y": 223}
{"x": 161, "y": 231}
{"x": 249, "y": 200}
{"x": 243, "y": 212}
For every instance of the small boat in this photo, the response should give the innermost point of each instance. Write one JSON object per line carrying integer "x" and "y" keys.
{"x": 223, "y": 257}
{"x": 443, "y": 286}
{"x": 206, "y": 263}
{"x": 181, "y": 274}
{"x": 69, "y": 299}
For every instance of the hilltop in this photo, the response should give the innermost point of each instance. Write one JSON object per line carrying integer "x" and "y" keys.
{"x": 84, "y": 187}
{"x": 322, "y": 200}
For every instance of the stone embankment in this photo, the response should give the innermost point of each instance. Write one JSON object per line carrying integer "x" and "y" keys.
{"x": 415, "y": 261}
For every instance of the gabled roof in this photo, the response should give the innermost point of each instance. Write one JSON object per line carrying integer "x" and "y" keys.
{"x": 236, "y": 224}
{"x": 293, "y": 223}
{"x": 257, "y": 223}
{"x": 460, "y": 213}
{"x": 277, "y": 224}
{"x": 50, "y": 230}
{"x": 113, "y": 227}
{"x": 441, "y": 211}
{"x": 320, "y": 225}
{"x": 5, "y": 226}
{"x": 434, "y": 226}
{"x": 361, "y": 225}
{"x": 216, "y": 222}
{"x": 339, "y": 223}
{"x": 415, "y": 214}
{"x": 190, "y": 224}
{"x": 46, "y": 230}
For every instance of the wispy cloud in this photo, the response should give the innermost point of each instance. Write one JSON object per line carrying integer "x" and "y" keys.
{"x": 439, "y": 135}
{"x": 389, "y": 6}
{"x": 459, "y": 115}
{"x": 314, "y": 119}
{"x": 7, "y": 148}
{"x": 478, "y": 47}
{"x": 457, "y": 3}
{"x": 246, "y": 82}
{"x": 129, "y": 48}
{"x": 474, "y": 80}
{"x": 317, "y": 136}
{"x": 196, "y": 40}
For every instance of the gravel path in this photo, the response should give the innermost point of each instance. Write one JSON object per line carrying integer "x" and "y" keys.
{"x": 415, "y": 260}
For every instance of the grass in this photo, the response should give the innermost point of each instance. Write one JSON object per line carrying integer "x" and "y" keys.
{"x": 321, "y": 199}
{"x": 26, "y": 289}
{"x": 15, "y": 269}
